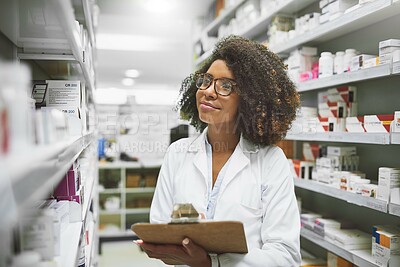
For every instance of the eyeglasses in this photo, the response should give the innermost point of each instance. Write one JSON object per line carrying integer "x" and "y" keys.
{"x": 222, "y": 86}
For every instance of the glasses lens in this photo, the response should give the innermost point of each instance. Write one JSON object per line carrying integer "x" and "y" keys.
{"x": 203, "y": 81}
{"x": 224, "y": 87}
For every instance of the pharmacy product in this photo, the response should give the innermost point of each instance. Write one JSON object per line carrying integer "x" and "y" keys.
{"x": 349, "y": 54}
{"x": 338, "y": 63}
{"x": 325, "y": 65}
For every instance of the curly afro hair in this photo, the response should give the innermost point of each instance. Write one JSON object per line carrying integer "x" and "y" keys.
{"x": 268, "y": 98}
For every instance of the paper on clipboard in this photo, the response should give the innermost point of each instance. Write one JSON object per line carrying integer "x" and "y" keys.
{"x": 215, "y": 237}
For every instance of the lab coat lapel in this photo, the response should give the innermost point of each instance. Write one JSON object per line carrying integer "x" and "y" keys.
{"x": 237, "y": 163}
{"x": 200, "y": 159}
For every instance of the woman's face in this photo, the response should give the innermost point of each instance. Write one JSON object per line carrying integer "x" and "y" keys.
{"x": 215, "y": 109}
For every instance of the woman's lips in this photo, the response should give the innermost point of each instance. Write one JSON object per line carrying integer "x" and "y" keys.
{"x": 207, "y": 107}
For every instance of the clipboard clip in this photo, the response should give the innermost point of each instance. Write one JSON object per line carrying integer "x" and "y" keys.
{"x": 184, "y": 213}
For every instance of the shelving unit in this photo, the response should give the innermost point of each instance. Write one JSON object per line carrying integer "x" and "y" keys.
{"x": 358, "y": 257}
{"x": 261, "y": 24}
{"x": 363, "y": 16}
{"x": 45, "y": 36}
{"x": 134, "y": 195}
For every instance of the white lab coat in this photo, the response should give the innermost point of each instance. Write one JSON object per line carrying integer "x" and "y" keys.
{"x": 257, "y": 190}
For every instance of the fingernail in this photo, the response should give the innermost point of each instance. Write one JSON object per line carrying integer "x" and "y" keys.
{"x": 138, "y": 242}
{"x": 185, "y": 241}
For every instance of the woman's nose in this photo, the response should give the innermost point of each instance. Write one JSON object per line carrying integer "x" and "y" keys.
{"x": 210, "y": 92}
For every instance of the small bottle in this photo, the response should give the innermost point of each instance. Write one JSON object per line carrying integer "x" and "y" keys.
{"x": 325, "y": 65}
{"x": 338, "y": 63}
{"x": 349, "y": 54}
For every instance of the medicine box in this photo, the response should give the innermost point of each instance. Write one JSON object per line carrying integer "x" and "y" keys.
{"x": 386, "y": 245}
{"x": 321, "y": 224}
{"x": 70, "y": 184}
{"x": 388, "y": 178}
{"x": 355, "y": 124}
{"x": 63, "y": 93}
{"x": 347, "y": 94}
{"x": 310, "y": 151}
{"x": 342, "y": 150}
{"x": 378, "y": 123}
{"x": 357, "y": 62}
{"x": 389, "y": 42}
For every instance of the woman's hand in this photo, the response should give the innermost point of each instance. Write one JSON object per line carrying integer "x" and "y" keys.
{"x": 189, "y": 253}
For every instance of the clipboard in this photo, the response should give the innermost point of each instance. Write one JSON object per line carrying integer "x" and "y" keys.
{"x": 215, "y": 237}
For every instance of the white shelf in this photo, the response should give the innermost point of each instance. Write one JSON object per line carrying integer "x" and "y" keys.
{"x": 44, "y": 166}
{"x": 137, "y": 211}
{"x": 224, "y": 17}
{"x": 394, "y": 209}
{"x": 120, "y": 165}
{"x": 110, "y": 191}
{"x": 261, "y": 24}
{"x": 358, "y": 257}
{"x": 346, "y": 78}
{"x": 203, "y": 57}
{"x": 360, "y": 138}
{"x": 59, "y": 39}
{"x": 144, "y": 190}
{"x": 69, "y": 246}
{"x": 350, "y": 197}
{"x": 364, "y": 16}
{"x": 111, "y": 212}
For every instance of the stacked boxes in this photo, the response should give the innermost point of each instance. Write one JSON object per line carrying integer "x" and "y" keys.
{"x": 386, "y": 245}
{"x": 334, "y": 105}
{"x": 387, "y": 48}
{"x": 388, "y": 184}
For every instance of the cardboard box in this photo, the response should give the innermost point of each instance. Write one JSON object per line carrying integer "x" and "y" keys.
{"x": 150, "y": 180}
{"x": 133, "y": 180}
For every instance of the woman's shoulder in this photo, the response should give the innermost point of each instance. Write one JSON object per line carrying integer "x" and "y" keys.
{"x": 184, "y": 145}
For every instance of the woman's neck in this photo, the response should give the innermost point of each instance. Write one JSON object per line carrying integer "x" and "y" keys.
{"x": 222, "y": 139}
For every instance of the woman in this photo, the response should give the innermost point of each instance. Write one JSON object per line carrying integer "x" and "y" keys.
{"x": 243, "y": 102}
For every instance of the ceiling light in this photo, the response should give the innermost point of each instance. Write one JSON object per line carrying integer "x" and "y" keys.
{"x": 128, "y": 81}
{"x": 132, "y": 73}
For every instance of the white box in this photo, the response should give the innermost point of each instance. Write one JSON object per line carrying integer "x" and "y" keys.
{"x": 355, "y": 124}
{"x": 378, "y": 123}
{"x": 63, "y": 93}
{"x": 389, "y": 42}
{"x": 342, "y": 150}
{"x": 388, "y": 179}
{"x": 396, "y": 123}
{"x": 357, "y": 62}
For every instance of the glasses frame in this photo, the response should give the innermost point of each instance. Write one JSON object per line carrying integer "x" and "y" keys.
{"x": 214, "y": 80}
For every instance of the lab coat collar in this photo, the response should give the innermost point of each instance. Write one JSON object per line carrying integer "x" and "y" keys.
{"x": 238, "y": 159}
{"x": 198, "y": 144}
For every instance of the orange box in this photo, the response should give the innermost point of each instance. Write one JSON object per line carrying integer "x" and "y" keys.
{"x": 133, "y": 180}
